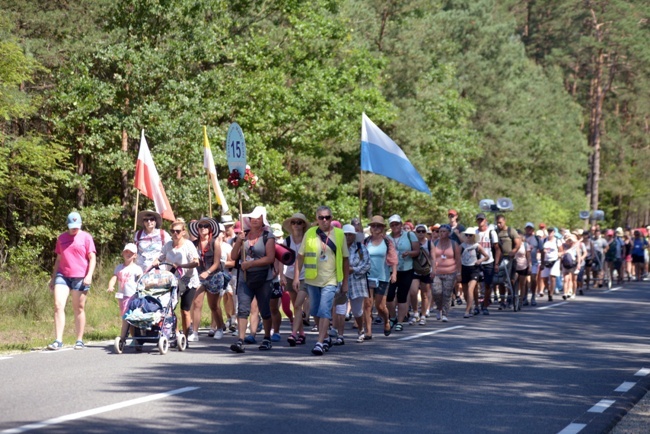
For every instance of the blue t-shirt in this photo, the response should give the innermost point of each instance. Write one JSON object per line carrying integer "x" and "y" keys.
{"x": 378, "y": 267}
{"x": 403, "y": 244}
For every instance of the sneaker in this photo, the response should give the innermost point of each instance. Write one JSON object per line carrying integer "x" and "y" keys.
{"x": 459, "y": 301}
{"x": 238, "y": 346}
{"x": 378, "y": 320}
{"x": 367, "y": 338}
{"x": 444, "y": 318}
{"x": 56, "y": 345}
{"x": 266, "y": 345}
{"x": 339, "y": 341}
{"x": 250, "y": 339}
{"x": 193, "y": 337}
{"x": 525, "y": 303}
{"x": 427, "y": 313}
{"x": 260, "y": 326}
{"x": 361, "y": 338}
{"x": 533, "y": 302}
{"x": 485, "y": 311}
{"x": 292, "y": 340}
{"x": 318, "y": 349}
{"x": 412, "y": 320}
{"x": 211, "y": 333}
{"x": 423, "y": 320}
{"x": 233, "y": 326}
{"x": 348, "y": 317}
{"x": 438, "y": 315}
{"x": 276, "y": 337}
{"x": 573, "y": 297}
{"x": 315, "y": 328}
{"x": 218, "y": 334}
{"x": 234, "y": 333}
{"x": 476, "y": 310}
{"x": 467, "y": 315}
{"x": 190, "y": 330}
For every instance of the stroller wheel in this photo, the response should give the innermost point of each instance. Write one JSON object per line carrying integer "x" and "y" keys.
{"x": 119, "y": 345}
{"x": 163, "y": 345}
{"x": 182, "y": 342}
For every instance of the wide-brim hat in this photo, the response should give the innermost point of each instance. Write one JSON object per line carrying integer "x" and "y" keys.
{"x": 377, "y": 220}
{"x": 258, "y": 212}
{"x": 226, "y": 220}
{"x": 149, "y": 213}
{"x": 286, "y": 225}
{"x": 194, "y": 226}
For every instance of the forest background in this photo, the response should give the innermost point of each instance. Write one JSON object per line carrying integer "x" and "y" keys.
{"x": 543, "y": 101}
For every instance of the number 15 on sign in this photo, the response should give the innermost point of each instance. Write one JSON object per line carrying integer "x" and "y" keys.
{"x": 236, "y": 149}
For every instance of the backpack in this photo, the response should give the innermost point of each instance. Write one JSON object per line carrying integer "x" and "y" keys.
{"x": 422, "y": 263}
{"x": 568, "y": 261}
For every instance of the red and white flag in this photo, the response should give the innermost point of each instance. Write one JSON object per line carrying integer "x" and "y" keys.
{"x": 148, "y": 181}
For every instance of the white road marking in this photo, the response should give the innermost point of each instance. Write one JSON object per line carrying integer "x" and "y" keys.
{"x": 616, "y": 288}
{"x": 642, "y": 372}
{"x": 625, "y": 386}
{"x": 419, "y": 335}
{"x": 95, "y": 411}
{"x": 603, "y": 405}
{"x": 573, "y": 428}
{"x": 46, "y": 351}
{"x": 553, "y": 305}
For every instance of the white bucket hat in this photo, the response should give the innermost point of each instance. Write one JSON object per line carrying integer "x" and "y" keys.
{"x": 258, "y": 212}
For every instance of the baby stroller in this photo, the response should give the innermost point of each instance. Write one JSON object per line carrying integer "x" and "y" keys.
{"x": 151, "y": 312}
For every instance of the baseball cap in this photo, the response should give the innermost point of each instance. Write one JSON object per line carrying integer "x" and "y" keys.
{"x": 74, "y": 220}
{"x": 237, "y": 227}
{"x": 131, "y": 248}
{"x": 542, "y": 226}
{"x": 421, "y": 226}
{"x": 277, "y": 230}
{"x": 530, "y": 225}
{"x": 394, "y": 218}
{"x": 470, "y": 231}
{"x": 349, "y": 229}
{"x": 480, "y": 216}
{"x": 453, "y": 212}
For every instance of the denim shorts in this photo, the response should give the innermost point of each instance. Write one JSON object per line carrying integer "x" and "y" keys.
{"x": 321, "y": 299}
{"x": 74, "y": 283}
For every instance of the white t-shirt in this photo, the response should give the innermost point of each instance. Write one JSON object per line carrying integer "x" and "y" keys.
{"x": 182, "y": 255}
{"x": 226, "y": 249}
{"x": 551, "y": 250}
{"x": 486, "y": 239}
{"x": 149, "y": 246}
{"x": 521, "y": 262}
{"x": 127, "y": 278}
{"x": 289, "y": 269}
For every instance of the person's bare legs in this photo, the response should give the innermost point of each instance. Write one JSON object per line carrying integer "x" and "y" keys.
{"x": 61, "y": 293}
{"x": 79, "y": 307}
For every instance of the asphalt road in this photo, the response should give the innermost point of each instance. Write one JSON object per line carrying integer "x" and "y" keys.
{"x": 537, "y": 371}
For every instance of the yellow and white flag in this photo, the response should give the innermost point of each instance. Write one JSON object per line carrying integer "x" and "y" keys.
{"x": 208, "y": 165}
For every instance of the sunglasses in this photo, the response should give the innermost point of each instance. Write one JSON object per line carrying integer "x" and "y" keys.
{"x": 204, "y": 226}
{"x": 297, "y": 222}
{"x": 149, "y": 219}
{"x": 435, "y": 230}
{"x": 421, "y": 232}
{"x": 451, "y": 215}
{"x": 324, "y": 217}
{"x": 375, "y": 226}
{"x": 176, "y": 231}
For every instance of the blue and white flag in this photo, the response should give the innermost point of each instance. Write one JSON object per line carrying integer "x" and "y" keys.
{"x": 379, "y": 154}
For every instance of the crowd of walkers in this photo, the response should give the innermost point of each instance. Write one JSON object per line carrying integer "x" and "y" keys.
{"x": 382, "y": 278}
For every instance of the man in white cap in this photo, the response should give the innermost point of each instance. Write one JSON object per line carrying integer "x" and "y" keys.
{"x": 324, "y": 255}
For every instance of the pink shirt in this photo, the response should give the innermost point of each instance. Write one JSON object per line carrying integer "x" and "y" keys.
{"x": 445, "y": 260}
{"x": 73, "y": 252}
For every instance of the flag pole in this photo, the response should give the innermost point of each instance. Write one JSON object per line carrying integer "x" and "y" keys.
{"x": 361, "y": 197}
{"x": 209, "y": 196}
{"x": 135, "y": 217}
{"x": 242, "y": 252}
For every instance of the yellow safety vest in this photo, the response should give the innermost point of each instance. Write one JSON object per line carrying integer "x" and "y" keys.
{"x": 313, "y": 248}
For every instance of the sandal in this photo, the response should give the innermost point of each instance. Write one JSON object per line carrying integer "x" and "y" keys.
{"x": 398, "y": 327}
{"x": 393, "y": 322}
{"x": 302, "y": 340}
{"x": 387, "y": 331}
{"x": 79, "y": 345}
{"x": 339, "y": 341}
{"x": 266, "y": 345}
{"x": 292, "y": 340}
{"x": 238, "y": 346}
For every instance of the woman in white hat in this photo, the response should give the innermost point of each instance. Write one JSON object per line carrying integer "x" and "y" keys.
{"x": 256, "y": 274}
{"x": 150, "y": 239}
{"x": 206, "y": 231}
{"x": 296, "y": 225}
